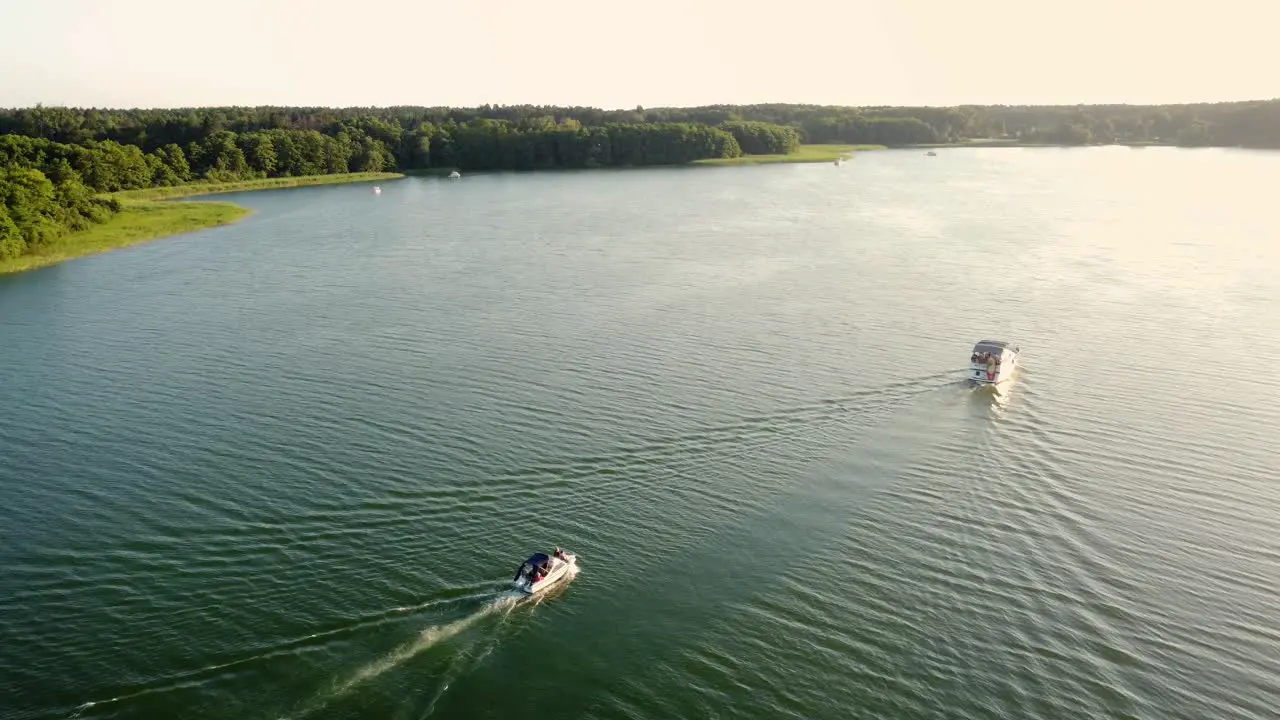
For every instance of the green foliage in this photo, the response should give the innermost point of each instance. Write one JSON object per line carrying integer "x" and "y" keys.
{"x": 37, "y": 210}
{"x": 175, "y": 161}
{"x": 862, "y": 129}
{"x": 499, "y": 144}
{"x": 259, "y": 152}
{"x": 31, "y": 204}
{"x": 218, "y": 158}
{"x": 1065, "y": 134}
{"x": 137, "y": 222}
{"x": 55, "y": 162}
{"x": 109, "y": 166}
{"x": 405, "y": 132}
{"x": 12, "y": 242}
{"x": 208, "y": 188}
{"x": 760, "y": 138}
{"x": 168, "y": 166}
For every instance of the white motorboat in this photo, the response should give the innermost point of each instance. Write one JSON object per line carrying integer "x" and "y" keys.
{"x": 992, "y": 362}
{"x": 541, "y": 571}
{"x": 455, "y": 174}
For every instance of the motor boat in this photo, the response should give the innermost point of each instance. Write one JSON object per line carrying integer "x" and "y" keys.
{"x": 454, "y": 175}
{"x": 992, "y": 362}
{"x": 931, "y": 154}
{"x": 541, "y": 571}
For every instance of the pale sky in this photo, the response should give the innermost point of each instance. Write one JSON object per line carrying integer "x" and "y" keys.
{"x": 171, "y": 53}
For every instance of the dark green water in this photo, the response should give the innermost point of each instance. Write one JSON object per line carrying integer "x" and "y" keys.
{"x": 282, "y": 469}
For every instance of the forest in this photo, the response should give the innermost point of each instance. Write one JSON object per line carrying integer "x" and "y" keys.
{"x": 56, "y": 163}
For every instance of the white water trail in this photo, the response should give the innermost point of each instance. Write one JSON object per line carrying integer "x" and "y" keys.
{"x": 456, "y": 670}
{"x": 425, "y": 640}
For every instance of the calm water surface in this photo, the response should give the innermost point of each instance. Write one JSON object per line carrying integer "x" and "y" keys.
{"x": 282, "y": 469}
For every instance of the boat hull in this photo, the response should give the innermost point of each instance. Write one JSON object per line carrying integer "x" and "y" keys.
{"x": 560, "y": 570}
{"x": 980, "y": 378}
{"x": 981, "y": 374}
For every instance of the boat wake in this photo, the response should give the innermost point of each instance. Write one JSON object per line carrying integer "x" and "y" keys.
{"x": 288, "y": 647}
{"x": 500, "y": 605}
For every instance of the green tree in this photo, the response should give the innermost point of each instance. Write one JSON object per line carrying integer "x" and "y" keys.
{"x": 175, "y": 163}
{"x": 761, "y": 138}
{"x": 218, "y": 158}
{"x": 259, "y": 152}
{"x": 12, "y": 243}
{"x": 30, "y": 202}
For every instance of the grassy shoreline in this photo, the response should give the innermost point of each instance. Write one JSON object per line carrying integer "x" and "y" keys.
{"x": 138, "y": 222}
{"x": 806, "y": 154}
{"x": 208, "y": 188}
{"x": 147, "y": 216}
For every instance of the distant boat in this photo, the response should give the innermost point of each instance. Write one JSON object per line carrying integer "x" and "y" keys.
{"x": 455, "y": 174}
{"x": 377, "y": 190}
{"x": 931, "y": 154}
{"x": 992, "y": 362}
{"x": 838, "y": 161}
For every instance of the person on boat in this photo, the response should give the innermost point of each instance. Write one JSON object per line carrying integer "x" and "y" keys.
{"x": 558, "y": 553}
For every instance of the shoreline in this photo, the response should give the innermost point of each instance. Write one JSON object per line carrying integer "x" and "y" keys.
{"x": 1002, "y": 143}
{"x": 148, "y": 214}
{"x": 808, "y": 153}
{"x": 171, "y": 192}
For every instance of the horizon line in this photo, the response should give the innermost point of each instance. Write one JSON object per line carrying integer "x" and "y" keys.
{"x": 639, "y": 107}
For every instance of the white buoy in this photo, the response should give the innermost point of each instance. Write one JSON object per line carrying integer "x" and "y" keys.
{"x": 377, "y": 190}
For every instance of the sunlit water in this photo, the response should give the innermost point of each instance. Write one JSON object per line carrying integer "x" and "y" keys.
{"x": 283, "y": 469}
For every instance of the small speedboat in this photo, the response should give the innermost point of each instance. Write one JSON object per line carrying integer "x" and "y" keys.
{"x": 454, "y": 175}
{"x": 541, "y": 571}
{"x": 992, "y": 362}
{"x": 931, "y": 154}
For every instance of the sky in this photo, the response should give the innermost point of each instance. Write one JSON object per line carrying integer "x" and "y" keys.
{"x": 179, "y": 53}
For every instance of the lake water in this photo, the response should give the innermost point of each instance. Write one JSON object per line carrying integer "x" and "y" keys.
{"x": 283, "y": 469}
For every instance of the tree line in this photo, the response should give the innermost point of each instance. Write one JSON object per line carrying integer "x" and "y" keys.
{"x": 49, "y": 187}
{"x": 217, "y": 146}
{"x": 55, "y": 161}
{"x": 1253, "y": 124}
{"x": 1248, "y": 124}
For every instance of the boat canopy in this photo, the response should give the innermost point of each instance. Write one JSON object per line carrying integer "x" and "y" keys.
{"x": 537, "y": 559}
{"x": 991, "y": 346}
